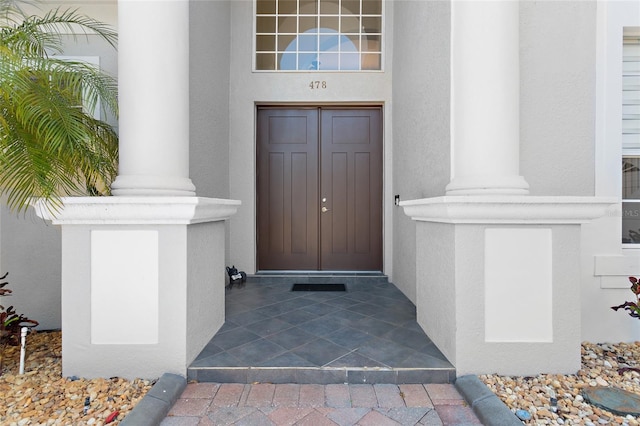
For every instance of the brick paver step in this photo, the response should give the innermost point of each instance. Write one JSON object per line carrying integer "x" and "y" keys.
{"x": 309, "y": 404}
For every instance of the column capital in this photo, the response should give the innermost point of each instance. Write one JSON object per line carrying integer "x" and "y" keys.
{"x": 509, "y": 209}
{"x": 135, "y": 185}
{"x": 147, "y": 210}
{"x": 488, "y": 185}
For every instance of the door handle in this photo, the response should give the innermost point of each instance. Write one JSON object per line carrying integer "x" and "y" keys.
{"x": 324, "y": 209}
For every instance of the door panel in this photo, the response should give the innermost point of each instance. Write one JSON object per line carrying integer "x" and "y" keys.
{"x": 319, "y": 189}
{"x": 351, "y": 182}
{"x": 287, "y": 185}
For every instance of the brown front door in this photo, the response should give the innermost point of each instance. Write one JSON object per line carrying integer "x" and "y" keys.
{"x": 319, "y": 183}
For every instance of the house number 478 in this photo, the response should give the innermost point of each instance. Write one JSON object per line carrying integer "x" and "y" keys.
{"x": 317, "y": 85}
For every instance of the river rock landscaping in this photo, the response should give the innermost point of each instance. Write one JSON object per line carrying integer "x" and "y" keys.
{"x": 42, "y": 396}
{"x": 557, "y": 400}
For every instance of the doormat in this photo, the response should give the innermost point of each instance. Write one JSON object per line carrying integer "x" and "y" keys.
{"x": 318, "y": 287}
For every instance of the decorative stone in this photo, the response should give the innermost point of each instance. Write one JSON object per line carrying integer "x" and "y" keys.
{"x": 543, "y": 412}
{"x": 535, "y": 393}
{"x": 42, "y": 396}
{"x": 523, "y": 415}
{"x": 617, "y": 401}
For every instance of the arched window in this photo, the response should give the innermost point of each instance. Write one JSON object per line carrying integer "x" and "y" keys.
{"x": 318, "y": 35}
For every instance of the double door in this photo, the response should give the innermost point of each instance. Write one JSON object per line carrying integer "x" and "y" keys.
{"x": 319, "y": 188}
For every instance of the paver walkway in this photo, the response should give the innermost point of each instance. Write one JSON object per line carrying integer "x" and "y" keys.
{"x": 205, "y": 404}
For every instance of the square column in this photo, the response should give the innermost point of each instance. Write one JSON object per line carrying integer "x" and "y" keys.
{"x": 142, "y": 282}
{"x": 498, "y": 280}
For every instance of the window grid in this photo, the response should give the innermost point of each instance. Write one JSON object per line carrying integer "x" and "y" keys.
{"x": 360, "y": 37}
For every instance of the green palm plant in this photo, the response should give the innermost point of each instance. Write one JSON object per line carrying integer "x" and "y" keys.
{"x": 51, "y": 145}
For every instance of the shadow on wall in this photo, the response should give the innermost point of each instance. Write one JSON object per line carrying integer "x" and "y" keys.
{"x": 30, "y": 249}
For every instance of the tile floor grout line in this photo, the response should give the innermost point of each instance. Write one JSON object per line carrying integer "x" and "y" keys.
{"x": 399, "y": 314}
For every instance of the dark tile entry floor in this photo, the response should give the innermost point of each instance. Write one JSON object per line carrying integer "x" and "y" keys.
{"x": 367, "y": 334}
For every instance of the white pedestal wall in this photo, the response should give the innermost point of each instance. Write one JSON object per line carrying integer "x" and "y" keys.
{"x": 498, "y": 280}
{"x": 466, "y": 313}
{"x": 142, "y": 283}
{"x": 205, "y": 284}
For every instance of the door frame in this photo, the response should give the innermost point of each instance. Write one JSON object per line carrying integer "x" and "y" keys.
{"x": 334, "y": 105}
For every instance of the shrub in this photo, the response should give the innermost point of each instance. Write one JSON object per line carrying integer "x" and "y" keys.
{"x": 633, "y": 308}
{"x": 11, "y": 322}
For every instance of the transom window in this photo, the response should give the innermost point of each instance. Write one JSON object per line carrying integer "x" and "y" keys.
{"x": 318, "y": 35}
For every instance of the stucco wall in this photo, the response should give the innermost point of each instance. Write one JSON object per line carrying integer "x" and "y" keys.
{"x": 30, "y": 252}
{"x": 84, "y": 358}
{"x": 205, "y": 285}
{"x": 523, "y": 355}
{"x": 421, "y": 120}
{"x": 436, "y": 293}
{"x": 557, "y": 72}
{"x": 209, "y": 97}
{"x": 249, "y": 88}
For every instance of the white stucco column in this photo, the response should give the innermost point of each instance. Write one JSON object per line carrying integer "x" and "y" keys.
{"x": 153, "y": 81}
{"x": 497, "y": 270}
{"x": 143, "y": 272}
{"x": 485, "y": 83}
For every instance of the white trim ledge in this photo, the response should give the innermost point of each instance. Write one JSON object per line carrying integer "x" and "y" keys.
{"x": 149, "y": 210}
{"x": 509, "y": 209}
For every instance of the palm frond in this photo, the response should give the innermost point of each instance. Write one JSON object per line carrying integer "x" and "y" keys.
{"x": 11, "y": 11}
{"x": 39, "y": 35}
{"x": 50, "y": 144}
